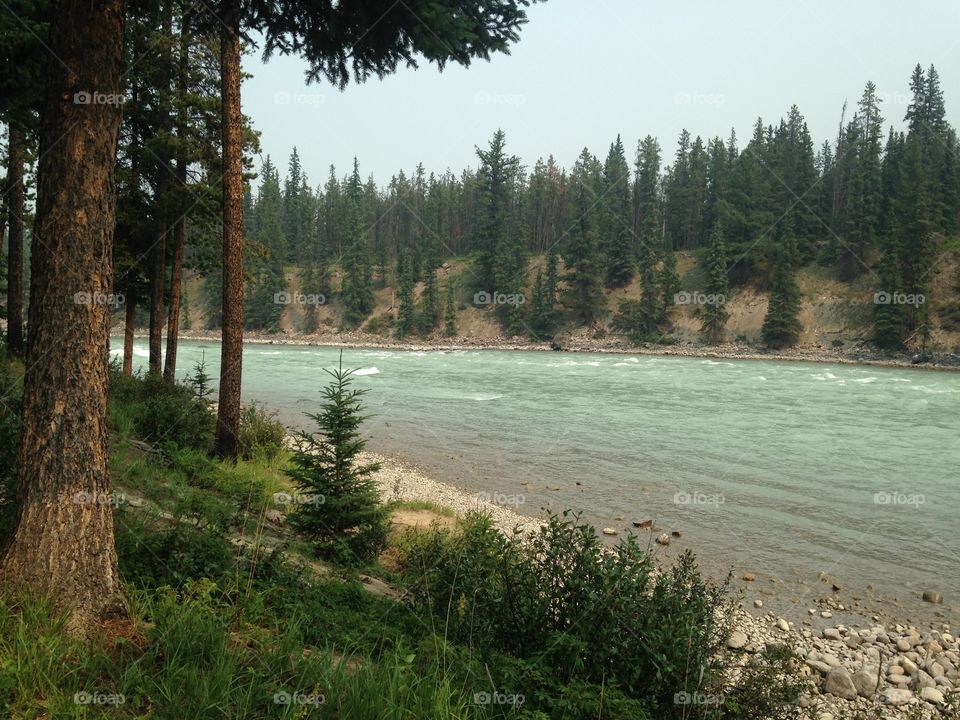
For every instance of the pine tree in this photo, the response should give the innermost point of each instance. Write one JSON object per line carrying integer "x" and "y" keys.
{"x": 501, "y": 266}
{"x": 616, "y": 218}
{"x": 357, "y": 287}
{"x": 581, "y": 257}
{"x": 450, "y": 313}
{"x": 715, "y": 313}
{"x": 339, "y": 508}
{"x": 406, "y": 316}
{"x": 781, "y": 326}
{"x": 889, "y": 318}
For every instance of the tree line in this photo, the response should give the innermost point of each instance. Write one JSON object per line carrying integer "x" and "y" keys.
{"x": 868, "y": 202}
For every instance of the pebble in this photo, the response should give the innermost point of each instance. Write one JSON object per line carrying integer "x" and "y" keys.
{"x": 826, "y": 614}
{"x": 737, "y": 640}
{"x": 932, "y": 596}
{"x": 609, "y": 531}
{"x": 831, "y": 633}
{"x": 758, "y": 603}
{"x": 663, "y": 539}
{"x": 783, "y": 625}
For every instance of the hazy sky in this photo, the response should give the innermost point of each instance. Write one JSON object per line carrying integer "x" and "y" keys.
{"x": 585, "y": 70}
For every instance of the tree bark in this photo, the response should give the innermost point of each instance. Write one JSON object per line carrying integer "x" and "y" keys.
{"x": 231, "y": 349}
{"x": 129, "y": 325}
{"x": 62, "y": 544}
{"x": 180, "y": 229}
{"x": 158, "y": 267}
{"x": 15, "y": 211}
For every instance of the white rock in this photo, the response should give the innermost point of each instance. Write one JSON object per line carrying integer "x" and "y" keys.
{"x": 932, "y": 695}
{"x": 896, "y": 696}
{"x": 736, "y": 640}
{"x": 783, "y": 625}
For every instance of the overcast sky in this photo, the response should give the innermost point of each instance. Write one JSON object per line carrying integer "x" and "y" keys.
{"x": 584, "y": 71}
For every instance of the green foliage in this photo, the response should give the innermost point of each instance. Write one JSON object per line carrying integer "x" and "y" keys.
{"x": 11, "y": 390}
{"x": 715, "y": 314}
{"x": 450, "y": 313}
{"x": 571, "y": 614}
{"x": 261, "y": 434}
{"x": 341, "y": 510}
{"x": 637, "y": 320}
{"x": 781, "y": 325}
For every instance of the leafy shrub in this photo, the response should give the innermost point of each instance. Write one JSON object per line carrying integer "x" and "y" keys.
{"x": 572, "y": 614}
{"x": 344, "y": 516}
{"x": 171, "y": 413}
{"x": 261, "y": 434}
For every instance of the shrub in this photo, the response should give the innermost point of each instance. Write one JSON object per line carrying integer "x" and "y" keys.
{"x": 345, "y": 517}
{"x": 571, "y": 614}
{"x": 261, "y": 434}
{"x": 11, "y": 392}
{"x": 172, "y": 413}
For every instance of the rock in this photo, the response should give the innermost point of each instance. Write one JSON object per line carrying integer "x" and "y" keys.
{"x": 923, "y": 680}
{"x": 783, "y": 625}
{"x": 903, "y": 644}
{"x": 609, "y": 531}
{"x": 737, "y": 640}
{"x": 135, "y": 502}
{"x": 839, "y": 683}
{"x": 831, "y": 633}
{"x": 749, "y": 577}
{"x": 944, "y": 682}
{"x": 826, "y": 614}
{"x": 275, "y": 516}
{"x": 758, "y": 603}
{"x": 903, "y": 680}
{"x": 663, "y": 539}
{"x": 932, "y": 695}
{"x": 908, "y": 665}
{"x": 642, "y": 523}
{"x": 936, "y": 670}
{"x": 676, "y": 533}
{"x": 831, "y": 660}
{"x": 820, "y": 667}
{"x": 932, "y": 596}
{"x": 896, "y": 696}
{"x": 865, "y": 681}
{"x": 896, "y": 670}
{"x": 619, "y": 518}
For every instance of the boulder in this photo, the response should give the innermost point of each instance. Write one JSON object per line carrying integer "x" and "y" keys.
{"x": 896, "y": 696}
{"x": 865, "y": 681}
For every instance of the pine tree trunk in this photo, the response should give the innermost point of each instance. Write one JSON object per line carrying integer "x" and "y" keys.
{"x": 62, "y": 544}
{"x": 180, "y": 229}
{"x": 15, "y": 210}
{"x": 158, "y": 266}
{"x": 129, "y": 323}
{"x": 231, "y": 350}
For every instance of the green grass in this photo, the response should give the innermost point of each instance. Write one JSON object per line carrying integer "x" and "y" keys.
{"x": 427, "y": 505}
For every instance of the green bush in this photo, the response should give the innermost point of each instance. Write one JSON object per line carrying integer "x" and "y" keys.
{"x": 261, "y": 434}
{"x": 574, "y": 616}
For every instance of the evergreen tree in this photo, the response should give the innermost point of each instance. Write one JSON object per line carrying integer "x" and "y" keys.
{"x": 340, "y": 509}
{"x": 501, "y": 266}
{"x": 715, "y": 313}
{"x": 406, "y": 316}
{"x": 357, "y": 285}
{"x": 616, "y": 219}
{"x": 581, "y": 257}
{"x": 889, "y": 318}
{"x": 450, "y": 313}
{"x": 781, "y": 325}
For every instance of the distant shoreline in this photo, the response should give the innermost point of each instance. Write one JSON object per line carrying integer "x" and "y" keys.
{"x": 729, "y": 351}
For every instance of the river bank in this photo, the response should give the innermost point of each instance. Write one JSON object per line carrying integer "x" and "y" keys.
{"x": 857, "y": 656}
{"x": 584, "y": 343}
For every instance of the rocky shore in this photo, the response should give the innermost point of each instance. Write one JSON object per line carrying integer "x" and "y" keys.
{"x": 878, "y": 669}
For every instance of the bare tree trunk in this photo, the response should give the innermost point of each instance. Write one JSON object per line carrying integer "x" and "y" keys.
{"x": 129, "y": 323}
{"x": 231, "y": 350}
{"x": 180, "y": 230}
{"x": 15, "y": 210}
{"x": 62, "y": 544}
